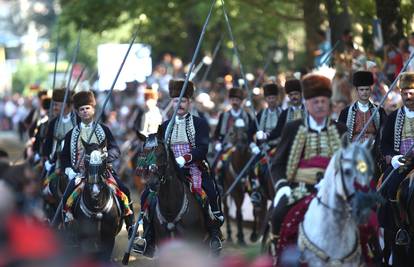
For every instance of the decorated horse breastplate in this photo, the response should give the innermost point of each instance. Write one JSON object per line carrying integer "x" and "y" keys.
{"x": 308, "y": 145}
{"x": 183, "y": 132}
{"x": 76, "y": 147}
{"x": 268, "y": 120}
{"x": 357, "y": 119}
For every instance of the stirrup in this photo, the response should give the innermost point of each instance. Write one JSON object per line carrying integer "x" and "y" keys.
{"x": 256, "y": 198}
{"x": 140, "y": 245}
{"x": 218, "y": 215}
{"x": 215, "y": 244}
{"x": 402, "y": 238}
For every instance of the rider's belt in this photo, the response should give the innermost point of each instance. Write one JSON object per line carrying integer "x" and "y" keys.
{"x": 309, "y": 175}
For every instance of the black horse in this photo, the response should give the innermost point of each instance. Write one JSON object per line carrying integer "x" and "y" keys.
{"x": 176, "y": 211}
{"x": 56, "y": 186}
{"x": 97, "y": 211}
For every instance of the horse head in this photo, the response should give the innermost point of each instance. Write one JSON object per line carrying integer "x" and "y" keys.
{"x": 355, "y": 166}
{"x": 154, "y": 162}
{"x": 238, "y": 134}
{"x": 95, "y": 164}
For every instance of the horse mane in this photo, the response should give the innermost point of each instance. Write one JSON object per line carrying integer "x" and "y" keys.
{"x": 325, "y": 185}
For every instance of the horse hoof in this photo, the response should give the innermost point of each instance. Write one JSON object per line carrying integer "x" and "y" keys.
{"x": 253, "y": 237}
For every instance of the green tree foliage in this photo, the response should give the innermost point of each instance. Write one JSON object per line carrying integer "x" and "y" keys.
{"x": 28, "y": 74}
{"x": 175, "y": 25}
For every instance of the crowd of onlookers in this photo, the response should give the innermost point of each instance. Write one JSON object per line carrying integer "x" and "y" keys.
{"x": 210, "y": 97}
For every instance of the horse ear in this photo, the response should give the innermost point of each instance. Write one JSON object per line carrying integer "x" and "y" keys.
{"x": 344, "y": 141}
{"x": 141, "y": 137}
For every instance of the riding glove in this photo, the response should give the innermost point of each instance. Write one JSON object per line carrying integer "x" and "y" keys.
{"x": 260, "y": 135}
{"x": 218, "y": 147}
{"x": 70, "y": 173}
{"x": 254, "y": 148}
{"x": 48, "y": 165}
{"x": 395, "y": 161}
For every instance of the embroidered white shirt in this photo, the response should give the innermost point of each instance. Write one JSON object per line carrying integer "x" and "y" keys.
{"x": 315, "y": 126}
{"x": 408, "y": 113}
{"x": 363, "y": 107}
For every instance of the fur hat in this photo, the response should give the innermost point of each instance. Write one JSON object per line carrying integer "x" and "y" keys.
{"x": 236, "y": 92}
{"x": 83, "y": 98}
{"x": 58, "y": 95}
{"x": 362, "y": 78}
{"x": 175, "y": 86}
{"x": 270, "y": 89}
{"x": 314, "y": 85}
{"x": 41, "y": 93}
{"x": 407, "y": 80}
{"x": 45, "y": 102}
{"x": 150, "y": 94}
{"x": 293, "y": 85}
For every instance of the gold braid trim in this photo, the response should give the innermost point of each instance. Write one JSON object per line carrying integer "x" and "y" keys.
{"x": 334, "y": 143}
{"x": 334, "y": 139}
{"x": 296, "y": 152}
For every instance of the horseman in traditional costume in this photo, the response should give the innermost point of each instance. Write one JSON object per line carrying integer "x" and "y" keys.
{"x": 397, "y": 139}
{"x": 189, "y": 142}
{"x": 305, "y": 149}
{"x": 357, "y": 114}
{"x": 40, "y": 131}
{"x": 267, "y": 119}
{"x": 295, "y": 111}
{"x": 227, "y": 120}
{"x": 58, "y": 128}
{"x": 72, "y": 156}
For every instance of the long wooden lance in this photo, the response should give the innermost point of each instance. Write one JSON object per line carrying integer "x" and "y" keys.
{"x": 200, "y": 40}
{"x": 78, "y": 79}
{"x": 74, "y": 57}
{"x": 393, "y": 85}
{"x": 54, "y": 70}
{"x": 246, "y": 86}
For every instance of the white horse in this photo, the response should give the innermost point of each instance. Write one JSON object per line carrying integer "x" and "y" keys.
{"x": 329, "y": 234}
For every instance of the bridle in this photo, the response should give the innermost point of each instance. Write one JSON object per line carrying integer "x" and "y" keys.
{"x": 361, "y": 168}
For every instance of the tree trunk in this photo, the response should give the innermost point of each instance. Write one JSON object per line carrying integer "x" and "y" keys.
{"x": 389, "y": 12}
{"x": 312, "y": 19}
{"x": 339, "y": 20}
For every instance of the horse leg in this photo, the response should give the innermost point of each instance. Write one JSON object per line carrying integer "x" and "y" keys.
{"x": 226, "y": 215}
{"x": 239, "y": 218}
{"x": 253, "y": 235}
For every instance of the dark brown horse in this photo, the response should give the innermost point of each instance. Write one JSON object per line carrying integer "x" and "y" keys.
{"x": 403, "y": 254}
{"x": 97, "y": 211}
{"x": 177, "y": 212}
{"x": 57, "y": 186}
{"x": 232, "y": 167}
